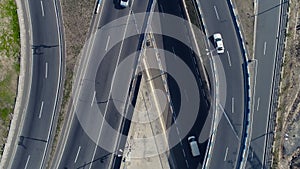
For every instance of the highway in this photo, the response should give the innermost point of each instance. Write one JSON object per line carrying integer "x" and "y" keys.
{"x": 181, "y": 153}
{"x": 36, "y": 133}
{"x": 91, "y": 141}
{"x": 267, "y": 28}
{"x": 217, "y": 18}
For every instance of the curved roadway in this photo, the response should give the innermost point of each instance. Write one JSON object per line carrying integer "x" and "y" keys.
{"x": 94, "y": 83}
{"x": 35, "y": 136}
{"x": 217, "y": 18}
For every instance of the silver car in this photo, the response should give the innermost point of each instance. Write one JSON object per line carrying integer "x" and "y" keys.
{"x": 124, "y": 3}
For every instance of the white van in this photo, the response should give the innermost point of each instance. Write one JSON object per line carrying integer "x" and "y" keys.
{"x": 194, "y": 146}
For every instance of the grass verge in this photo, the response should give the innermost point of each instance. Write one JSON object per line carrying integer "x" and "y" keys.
{"x": 9, "y": 64}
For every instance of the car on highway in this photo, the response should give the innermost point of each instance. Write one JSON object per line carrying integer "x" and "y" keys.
{"x": 218, "y": 43}
{"x": 124, "y": 3}
{"x": 194, "y": 146}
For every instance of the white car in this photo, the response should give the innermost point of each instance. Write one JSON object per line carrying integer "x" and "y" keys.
{"x": 194, "y": 146}
{"x": 124, "y": 3}
{"x": 219, "y": 43}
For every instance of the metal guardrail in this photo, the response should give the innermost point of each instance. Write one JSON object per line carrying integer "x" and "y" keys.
{"x": 276, "y": 80}
{"x": 213, "y": 130}
{"x": 246, "y": 134}
{"x": 247, "y": 116}
{"x": 281, "y": 34}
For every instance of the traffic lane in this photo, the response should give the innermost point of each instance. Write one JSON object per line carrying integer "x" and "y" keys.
{"x": 236, "y": 64}
{"x": 183, "y": 52}
{"x": 45, "y": 74}
{"x": 170, "y": 7}
{"x": 105, "y": 149}
{"x": 186, "y": 54}
{"x": 262, "y": 102}
{"x": 86, "y": 109}
{"x": 39, "y": 111}
{"x": 110, "y": 12}
{"x": 265, "y": 44}
{"x": 103, "y": 79}
{"x": 224, "y": 155}
{"x": 115, "y": 110}
{"x": 36, "y": 114}
{"x": 217, "y": 17}
{"x": 182, "y": 151}
{"x": 77, "y": 153}
{"x": 40, "y": 107}
{"x": 29, "y": 153}
{"x": 265, "y": 47}
{"x": 44, "y": 25}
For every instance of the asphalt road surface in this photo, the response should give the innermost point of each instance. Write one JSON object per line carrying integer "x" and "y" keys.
{"x": 265, "y": 49}
{"x": 99, "y": 81}
{"x": 92, "y": 140}
{"x": 35, "y": 136}
{"x": 180, "y": 95}
{"x": 218, "y": 19}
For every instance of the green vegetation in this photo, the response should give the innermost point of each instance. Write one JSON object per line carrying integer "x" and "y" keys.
{"x": 9, "y": 64}
{"x": 6, "y": 96}
{"x": 4, "y": 113}
{"x": 10, "y": 36}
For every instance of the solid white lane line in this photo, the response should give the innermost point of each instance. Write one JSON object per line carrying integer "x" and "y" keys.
{"x": 203, "y": 93}
{"x": 187, "y": 164}
{"x": 229, "y": 60}
{"x": 186, "y": 96}
{"x": 135, "y": 22}
{"x": 226, "y": 153}
{"x": 41, "y": 109}
{"x": 265, "y": 47}
{"x": 113, "y": 79}
{"x": 183, "y": 153}
{"x": 46, "y": 71}
{"x": 194, "y": 60}
{"x": 258, "y": 100}
{"x": 162, "y": 10}
{"x": 43, "y": 13}
{"x": 229, "y": 122}
{"x": 107, "y": 42}
{"x": 177, "y": 131}
{"x": 206, "y": 102}
{"x": 197, "y": 71}
{"x": 232, "y": 105}
{"x": 77, "y": 154}
{"x": 26, "y": 165}
{"x": 216, "y": 12}
{"x": 58, "y": 84}
{"x": 175, "y": 56}
{"x": 94, "y": 95}
{"x": 173, "y": 50}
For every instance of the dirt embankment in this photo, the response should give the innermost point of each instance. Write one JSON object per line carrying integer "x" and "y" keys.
{"x": 245, "y": 9}
{"x": 286, "y": 149}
